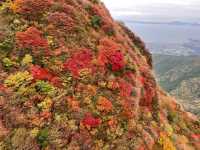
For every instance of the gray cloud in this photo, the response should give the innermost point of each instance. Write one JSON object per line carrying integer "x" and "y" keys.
{"x": 158, "y": 10}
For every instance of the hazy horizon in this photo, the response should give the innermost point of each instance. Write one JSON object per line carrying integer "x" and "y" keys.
{"x": 155, "y": 10}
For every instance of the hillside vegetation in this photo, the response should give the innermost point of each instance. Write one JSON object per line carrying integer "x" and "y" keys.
{"x": 71, "y": 78}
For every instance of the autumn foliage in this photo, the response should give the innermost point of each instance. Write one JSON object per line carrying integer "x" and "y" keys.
{"x": 125, "y": 88}
{"x": 91, "y": 121}
{"x": 106, "y": 22}
{"x": 40, "y": 73}
{"x": 61, "y": 20}
{"x": 31, "y": 7}
{"x": 31, "y": 39}
{"x": 104, "y": 105}
{"x": 148, "y": 90}
{"x": 73, "y": 104}
{"x": 72, "y": 78}
{"x": 79, "y": 60}
{"x": 110, "y": 54}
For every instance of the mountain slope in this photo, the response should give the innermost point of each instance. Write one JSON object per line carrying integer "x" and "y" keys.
{"x": 72, "y": 78}
{"x": 180, "y": 77}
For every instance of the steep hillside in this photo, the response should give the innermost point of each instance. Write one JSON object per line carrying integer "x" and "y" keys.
{"x": 180, "y": 76}
{"x": 71, "y": 78}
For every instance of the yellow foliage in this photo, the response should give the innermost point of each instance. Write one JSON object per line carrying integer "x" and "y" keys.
{"x": 27, "y": 60}
{"x": 50, "y": 40}
{"x": 46, "y": 104}
{"x": 85, "y": 74}
{"x": 165, "y": 142}
{"x": 15, "y": 6}
{"x": 72, "y": 124}
{"x": 8, "y": 63}
{"x": 18, "y": 79}
{"x": 34, "y": 132}
{"x": 169, "y": 129}
{"x": 6, "y": 4}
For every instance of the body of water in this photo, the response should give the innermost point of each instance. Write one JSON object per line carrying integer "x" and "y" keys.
{"x": 165, "y": 33}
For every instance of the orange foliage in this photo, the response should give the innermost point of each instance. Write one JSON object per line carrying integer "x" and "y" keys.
{"x": 31, "y": 7}
{"x": 112, "y": 123}
{"x": 31, "y": 39}
{"x": 104, "y": 105}
{"x": 73, "y": 104}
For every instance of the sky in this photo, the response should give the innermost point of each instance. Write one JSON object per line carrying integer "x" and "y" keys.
{"x": 155, "y": 10}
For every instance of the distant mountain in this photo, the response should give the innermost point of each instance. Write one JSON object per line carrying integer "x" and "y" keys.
{"x": 180, "y": 76}
{"x": 181, "y": 23}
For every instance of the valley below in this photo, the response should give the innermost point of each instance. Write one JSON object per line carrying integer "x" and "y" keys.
{"x": 180, "y": 76}
{"x": 176, "y": 58}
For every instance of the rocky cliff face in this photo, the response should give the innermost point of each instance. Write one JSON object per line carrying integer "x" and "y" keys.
{"x": 72, "y": 78}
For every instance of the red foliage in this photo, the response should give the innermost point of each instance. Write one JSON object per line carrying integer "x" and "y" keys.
{"x": 56, "y": 81}
{"x": 149, "y": 86}
{"x": 117, "y": 61}
{"x": 2, "y": 88}
{"x": 78, "y": 61}
{"x": 127, "y": 108}
{"x": 195, "y": 137}
{"x": 142, "y": 80}
{"x": 31, "y": 39}
{"x": 39, "y": 73}
{"x": 141, "y": 148}
{"x": 45, "y": 115}
{"x": 149, "y": 93}
{"x": 110, "y": 54}
{"x": 61, "y": 20}
{"x": 68, "y": 9}
{"x": 91, "y": 121}
{"x": 125, "y": 88}
{"x": 108, "y": 28}
{"x": 32, "y": 7}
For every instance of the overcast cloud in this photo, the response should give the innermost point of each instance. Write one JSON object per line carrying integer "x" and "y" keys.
{"x": 155, "y": 10}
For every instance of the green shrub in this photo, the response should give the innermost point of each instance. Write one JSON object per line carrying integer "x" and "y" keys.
{"x": 96, "y": 22}
{"x": 7, "y": 63}
{"x": 173, "y": 117}
{"x": 6, "y": 45}
{"x": 42, "y": 138}
{"x": 45, "y": 88}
